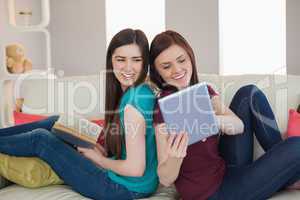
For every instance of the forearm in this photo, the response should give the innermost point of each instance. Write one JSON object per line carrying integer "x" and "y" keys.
{"x": 122, "y": 167}
{"x": 168, "y": 171}
{"x": 230, "y": 124}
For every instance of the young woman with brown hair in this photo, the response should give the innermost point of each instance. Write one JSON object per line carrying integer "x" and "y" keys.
{"x": 118, "y": 171}
{"x": 221, "y": 167}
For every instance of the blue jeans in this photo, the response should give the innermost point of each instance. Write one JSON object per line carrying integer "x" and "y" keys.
{"x": 277, "y": 168}
{"x": 36, "y": 140}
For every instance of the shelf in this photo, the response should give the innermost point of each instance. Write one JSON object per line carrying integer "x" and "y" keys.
{"x": 28, "y": 29}
{"x": 34, "y": 74}
{"x": 37, "y": 49}
{"x": 28, "y": 20}
{"x": 28, "y": 14}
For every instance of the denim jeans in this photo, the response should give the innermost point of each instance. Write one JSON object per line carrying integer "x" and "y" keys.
{"x": 277, "y": 168}
{"x": 36, "y": 140}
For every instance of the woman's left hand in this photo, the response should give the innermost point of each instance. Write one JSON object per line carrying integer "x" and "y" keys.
{"x": 96, "y": 154}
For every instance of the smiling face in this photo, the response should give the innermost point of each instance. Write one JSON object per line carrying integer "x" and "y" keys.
{"x": 127, "y": 64}
{"x": 174, "y": 66}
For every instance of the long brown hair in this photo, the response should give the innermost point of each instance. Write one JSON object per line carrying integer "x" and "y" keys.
{"x": 160, "y": 43}
{"x": 114, "y": 93}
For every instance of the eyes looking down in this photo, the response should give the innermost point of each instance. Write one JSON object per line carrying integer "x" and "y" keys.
{"x": 174, "y": 66}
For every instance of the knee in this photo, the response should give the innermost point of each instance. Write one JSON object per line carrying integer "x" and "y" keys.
{"x": 41, "y": 139}
{"x": 40, "y": 135}
{"x": 250, "y": 91}
{"x": 247, "y": 90}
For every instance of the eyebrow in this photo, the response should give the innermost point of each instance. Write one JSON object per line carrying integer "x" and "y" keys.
{"x": 166, "y": 63}
{"x": 179, "y": 57}
{"x": 119, "y": 57}
{"x": 125, "y": 57}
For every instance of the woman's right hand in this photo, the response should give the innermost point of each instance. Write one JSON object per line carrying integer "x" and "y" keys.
{"x": 171, "y": 150}
{"x": 177, "y": 145}
{"x": 96, "y": 154}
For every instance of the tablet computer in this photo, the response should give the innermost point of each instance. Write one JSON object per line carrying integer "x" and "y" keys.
{"x": 190, "y": 110}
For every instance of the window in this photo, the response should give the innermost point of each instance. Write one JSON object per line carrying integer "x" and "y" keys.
{"x": 149, "y": 16}
{"x": 252, "y": 36}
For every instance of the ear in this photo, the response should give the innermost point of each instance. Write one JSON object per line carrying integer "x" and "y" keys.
{"x": 9, "y": 62}
{"x": 27, "y": 65}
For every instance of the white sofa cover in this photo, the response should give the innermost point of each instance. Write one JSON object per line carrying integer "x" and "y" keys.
{"x": 85, "y": 95}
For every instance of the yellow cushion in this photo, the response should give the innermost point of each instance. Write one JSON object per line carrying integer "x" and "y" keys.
{"x": 28, "y": 172}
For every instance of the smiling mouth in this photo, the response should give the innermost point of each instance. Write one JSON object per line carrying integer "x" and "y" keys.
{"x": 128, "y": 75}
{"x": 180, "y": 76}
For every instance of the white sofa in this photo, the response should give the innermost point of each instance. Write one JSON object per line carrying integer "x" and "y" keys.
{"x": 86, "y": 95}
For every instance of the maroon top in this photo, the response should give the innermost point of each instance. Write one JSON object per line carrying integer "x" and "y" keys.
{"x": 203, "y": 168}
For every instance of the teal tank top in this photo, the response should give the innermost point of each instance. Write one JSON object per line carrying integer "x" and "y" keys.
{"x": 141, "y": 98}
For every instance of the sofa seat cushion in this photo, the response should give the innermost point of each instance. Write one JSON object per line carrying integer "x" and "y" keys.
{"x": 165, "y": 193}
{"x": 287, "y": 195}
{"x": 63, "y": 192}
{"x": 54, "y": 192}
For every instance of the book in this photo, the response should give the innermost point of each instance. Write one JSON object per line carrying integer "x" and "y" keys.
{"x": 190, "y": 110}
{"x": 77, "y": 131}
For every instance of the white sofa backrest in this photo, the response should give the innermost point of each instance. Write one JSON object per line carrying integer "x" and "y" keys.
{"x": 85, "y": 95}
{"x": 282, "y": 91}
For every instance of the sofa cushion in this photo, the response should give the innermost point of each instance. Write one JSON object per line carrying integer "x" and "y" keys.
{"x": 24, "y": 118}
{"x": 293, "y": 123}
{"x": 54, "y": 192}
{"x": 63, "y": 192}
{"x": 29, "y": 172}
{"x": 287, "y": 195}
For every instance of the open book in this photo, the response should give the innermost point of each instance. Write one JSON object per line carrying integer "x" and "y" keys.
{"x": 77, "y": 131}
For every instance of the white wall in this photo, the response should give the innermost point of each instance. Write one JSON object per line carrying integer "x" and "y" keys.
{"x": 79, "y": 29}
{"x": 293, "y": 37}
{"x": 78, "y": 36}
{"x": 197, "y": 21}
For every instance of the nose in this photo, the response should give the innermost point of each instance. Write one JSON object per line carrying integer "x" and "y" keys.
{"x": 176, "y": 68}
{"x": 127, "y": 66}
